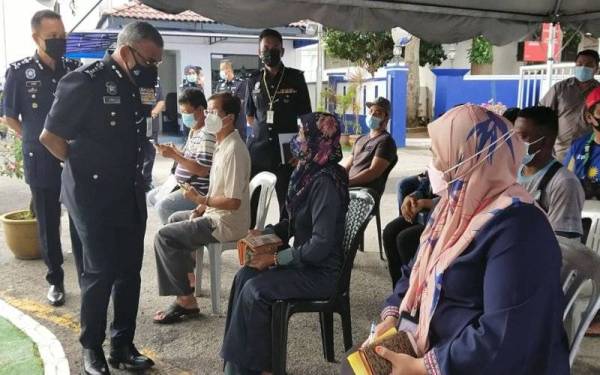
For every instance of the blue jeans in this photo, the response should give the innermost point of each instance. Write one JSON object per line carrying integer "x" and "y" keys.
{"x": 174, "y": 202}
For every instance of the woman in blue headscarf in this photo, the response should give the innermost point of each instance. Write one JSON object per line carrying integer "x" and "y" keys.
{"x": 317, "y": 202}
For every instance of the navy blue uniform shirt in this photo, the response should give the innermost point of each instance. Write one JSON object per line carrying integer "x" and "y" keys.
{"x": 98, "y": 110}
{"x": 290, "y": 102}
{"x": 28, "y": 94}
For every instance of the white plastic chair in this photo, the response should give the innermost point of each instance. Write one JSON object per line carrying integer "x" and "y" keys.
{"x": 266, "y": 181}
{"x": 580, "y": 277}
{"x": 591, "y": 209}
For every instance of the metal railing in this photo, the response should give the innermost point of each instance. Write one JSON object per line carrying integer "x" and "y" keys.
{"x": 536, "y": 80}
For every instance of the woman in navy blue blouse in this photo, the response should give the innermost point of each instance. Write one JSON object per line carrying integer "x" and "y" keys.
{"x": 317, "y": 202}
{"x": 484, "y": 291}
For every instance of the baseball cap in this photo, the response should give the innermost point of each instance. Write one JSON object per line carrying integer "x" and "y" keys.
{"x": 381, "y": 102}
{"x": 592, "y": 98}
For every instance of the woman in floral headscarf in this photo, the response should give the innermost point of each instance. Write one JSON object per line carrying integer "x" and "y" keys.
{"x": 317, "y": 202}
{"x": 484, "y": 293}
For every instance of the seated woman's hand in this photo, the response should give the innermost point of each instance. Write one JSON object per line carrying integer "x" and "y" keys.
{"x": 382, "y": 327}
{"x": 261, "y": 261}
{"x": 402, "y": 364}
{"x": 254, "y": 232}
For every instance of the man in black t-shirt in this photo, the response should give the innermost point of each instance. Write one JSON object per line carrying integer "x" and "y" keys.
{"x": 373, "y": 153}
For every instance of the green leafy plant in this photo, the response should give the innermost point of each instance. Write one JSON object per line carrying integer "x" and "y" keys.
{"x": 431, "y": 53}
{"x": 11, "y": 152}
{"x": 343, "y": 102}
{"x": 369, "y": 50}
{"x": 481, "y": 51}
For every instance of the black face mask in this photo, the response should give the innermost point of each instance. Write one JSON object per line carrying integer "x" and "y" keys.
{"x": 56, "y": 48}
{"x": 271, "y": 57}
{"x": 144, "y": 76}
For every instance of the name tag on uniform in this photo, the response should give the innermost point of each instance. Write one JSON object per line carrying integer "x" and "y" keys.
{"x": 270, "y": 117}
{"x": 111, "y": 99}
{"x": 147, "y": 96}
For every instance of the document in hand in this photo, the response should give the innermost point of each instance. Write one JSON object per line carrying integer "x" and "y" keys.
{"x": 365, "y": 361}
{"x": 266, "y": 243}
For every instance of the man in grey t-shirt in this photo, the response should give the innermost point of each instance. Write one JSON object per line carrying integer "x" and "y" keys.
{"x": 562, "y": 196}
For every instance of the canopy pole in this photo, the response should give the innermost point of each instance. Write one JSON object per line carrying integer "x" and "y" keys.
{"x": 319, "y": 77}
{"x": 550, "y": 54}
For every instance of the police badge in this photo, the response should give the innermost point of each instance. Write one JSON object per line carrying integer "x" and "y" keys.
{"x": 30, "y": 73}
{"x": 111, "y": 88}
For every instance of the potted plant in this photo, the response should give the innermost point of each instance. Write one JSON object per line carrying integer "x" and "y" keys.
{"x": 481, "y": 56}
{"x": 20, "y": 227}
{"x": 343, "y": 102}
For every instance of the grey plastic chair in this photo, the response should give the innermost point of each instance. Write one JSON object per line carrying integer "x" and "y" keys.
{"x": 580, "y": 278}
{"x": 266, "y": 181}
{"x": 591, "y": 209}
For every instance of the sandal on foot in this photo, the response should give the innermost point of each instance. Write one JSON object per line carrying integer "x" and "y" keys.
{"x": 177, "y": 313}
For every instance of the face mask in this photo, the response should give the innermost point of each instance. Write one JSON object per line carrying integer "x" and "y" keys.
{"x": 528, "y": 157}
{"x": 271, "y": 57}
{"x": 373, "y": 122}
{"x": 144, "y": 76}
{"x": 296, "y": 148}
{"x": 583, "y": 73}
{"x": 188, "y": 120}
{"x": 56, "y": 48}
{"x": 436, "y": 179}
{"x": 440, "y": 175}
{"x": 191, "y": 78}
{"x": 213, "y": 123}
{"x": 222, "y": 75}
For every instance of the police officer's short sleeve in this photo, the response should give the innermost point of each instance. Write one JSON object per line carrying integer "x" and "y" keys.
{"x": 72, "y": 104}
{"x": 159, "y": 93}
{"x": 10, "y": 100}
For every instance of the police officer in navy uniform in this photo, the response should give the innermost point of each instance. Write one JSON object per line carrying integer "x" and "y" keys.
{"x": 29, "y": 92}
{"x": 97, "y": 125}
{"x": 237, "y": 87}
{"x": 276, "y": 97}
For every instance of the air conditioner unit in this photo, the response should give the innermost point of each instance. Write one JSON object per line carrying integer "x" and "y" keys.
{"x": 47, "y": 3}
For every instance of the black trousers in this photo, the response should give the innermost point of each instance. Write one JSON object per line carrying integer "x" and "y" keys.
{"x": 283, "y": 173}
{"x": 111, "y": 261}
{"x": 400, "y": 242}
{"x": 46, "y": 204}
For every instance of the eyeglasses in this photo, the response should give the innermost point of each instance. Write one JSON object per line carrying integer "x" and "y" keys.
{"x": 214, "y": 112}
{"x": 145, "y": 60}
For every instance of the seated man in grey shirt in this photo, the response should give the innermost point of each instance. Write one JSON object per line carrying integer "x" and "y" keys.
{"x": 556, "y": 189}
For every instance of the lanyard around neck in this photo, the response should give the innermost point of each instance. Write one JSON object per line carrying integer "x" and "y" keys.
{"x": 272, "y": 98}
{"x": 587, "y": 150}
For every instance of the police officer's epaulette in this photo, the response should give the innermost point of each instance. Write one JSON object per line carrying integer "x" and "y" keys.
{"x": 21, "y": 63}
{"x": 94, "y": 68}
{"x": 72, "y": 63}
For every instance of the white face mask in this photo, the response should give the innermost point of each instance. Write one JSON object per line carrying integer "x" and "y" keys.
{"x": 222, "y": 75}
{"x": 213, "y": 123}
{"x": 438, "y": 175}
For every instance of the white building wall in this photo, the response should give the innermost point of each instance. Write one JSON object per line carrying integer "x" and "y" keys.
{"x": 198, "y": 50}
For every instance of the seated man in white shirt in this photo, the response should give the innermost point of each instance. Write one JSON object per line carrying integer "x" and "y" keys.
{"x": 222, "y": 215}
{"x": 556, "y": 189}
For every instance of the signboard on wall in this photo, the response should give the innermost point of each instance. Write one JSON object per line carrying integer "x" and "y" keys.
{"x": 537, "y": 51}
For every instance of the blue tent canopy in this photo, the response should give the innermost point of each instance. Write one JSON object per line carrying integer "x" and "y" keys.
{"x": 89, "y": 45}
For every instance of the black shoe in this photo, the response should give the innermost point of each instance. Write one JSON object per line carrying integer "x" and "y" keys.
{"x": 56, "y": 295}
{"x": 128, "y": 358}
{"x": 94, "y": 362}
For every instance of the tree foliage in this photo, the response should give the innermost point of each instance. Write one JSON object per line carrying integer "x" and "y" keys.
{"x": 369, "y": 50}
{"x": 431, "y": 53}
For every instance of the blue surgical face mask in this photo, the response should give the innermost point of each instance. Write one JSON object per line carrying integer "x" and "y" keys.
{"x": 528, "y": 157}
{"x": 373, "y": 122}
{"x": 583, "y": 73}
{"x": 188, "y": 120}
